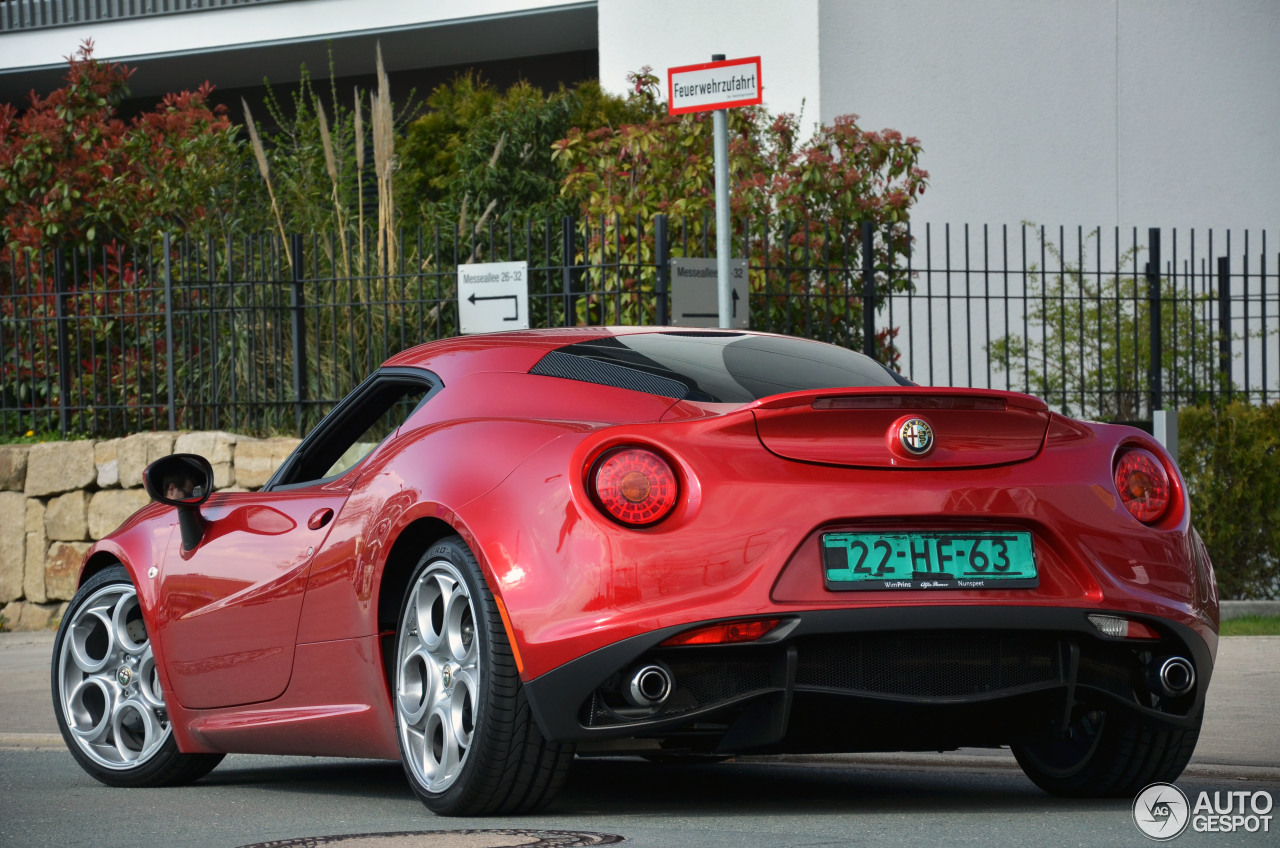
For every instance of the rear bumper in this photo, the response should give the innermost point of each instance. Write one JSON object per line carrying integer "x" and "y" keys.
{"x": 920, "y": 664}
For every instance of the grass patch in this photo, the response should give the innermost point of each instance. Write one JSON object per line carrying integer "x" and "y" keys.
{"x": 33, "y": 437}
{"x": 1252, "y": 625}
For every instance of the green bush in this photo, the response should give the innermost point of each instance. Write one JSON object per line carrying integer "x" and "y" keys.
{"x": 480, "y": 153}
{"x": 1228, "y": 455}
{"x": 811, "y": 193}
{"x": 1092, "y": 356}
{"x": 74, "y": 173}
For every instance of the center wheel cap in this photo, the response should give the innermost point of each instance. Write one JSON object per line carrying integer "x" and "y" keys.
{"x": 124, "y": 676}
{"x": 446, "y": 675}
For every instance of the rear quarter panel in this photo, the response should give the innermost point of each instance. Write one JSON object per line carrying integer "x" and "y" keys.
{"x": 466, "y": 441}
{"x": 740, "y": 543}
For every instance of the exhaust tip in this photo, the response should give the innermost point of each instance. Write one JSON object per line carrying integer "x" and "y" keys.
{"x": 1176, "y": 676}
{"x": 649, "y": 685}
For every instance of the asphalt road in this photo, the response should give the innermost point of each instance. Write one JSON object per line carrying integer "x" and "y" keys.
{"x": 969, "y": 798}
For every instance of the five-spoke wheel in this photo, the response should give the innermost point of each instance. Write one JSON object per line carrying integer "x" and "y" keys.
{"x": 439, "y": 676}
{"x": 107, "y": 691}
{"x": 467, "y": 736}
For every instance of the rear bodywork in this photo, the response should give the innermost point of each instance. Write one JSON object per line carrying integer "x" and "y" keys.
{"x": 280, "y": 642}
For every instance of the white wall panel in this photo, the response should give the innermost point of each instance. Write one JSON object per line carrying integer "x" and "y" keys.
{"x": 1130, "y": 112}
{"x": 670, "y": 33}
{"x": 1199, "y": 128}
{"x": 1014, "y": 102}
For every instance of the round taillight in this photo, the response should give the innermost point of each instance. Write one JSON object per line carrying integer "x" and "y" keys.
{"x": 635, "y": 486}
{"x": 1143, "y": 485}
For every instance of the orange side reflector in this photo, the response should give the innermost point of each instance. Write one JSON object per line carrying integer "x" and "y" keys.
{"x": 511, "y": 634}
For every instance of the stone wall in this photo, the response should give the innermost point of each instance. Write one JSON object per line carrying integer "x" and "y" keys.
{"x": 58, "y": 497}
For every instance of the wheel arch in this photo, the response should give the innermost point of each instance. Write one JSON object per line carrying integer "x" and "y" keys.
{"x": 100, "y": 561}
{"x": 108, "y": 554}
{"x": 409, "y": 546}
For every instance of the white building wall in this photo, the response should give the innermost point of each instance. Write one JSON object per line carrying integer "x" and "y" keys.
{"x": 1013, "y": 102}
{"x": 1094, "y": 112}
{"x": 1079, "y": 112}
{"x": 668, "y": 33}
{"x": 1199, "y": 117}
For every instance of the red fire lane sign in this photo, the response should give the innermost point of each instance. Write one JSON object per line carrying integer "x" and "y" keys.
{"x": 714, "y": 85}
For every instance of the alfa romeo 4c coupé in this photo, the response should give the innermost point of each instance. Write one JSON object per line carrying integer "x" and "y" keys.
{"x": 501, "y": 552}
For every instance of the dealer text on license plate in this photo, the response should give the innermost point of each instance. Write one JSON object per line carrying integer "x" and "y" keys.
{"x": 976, "y": 560}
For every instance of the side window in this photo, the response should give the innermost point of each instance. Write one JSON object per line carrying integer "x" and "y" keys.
{"x": 365, "y": 419}
{"x": 378, "y": 431}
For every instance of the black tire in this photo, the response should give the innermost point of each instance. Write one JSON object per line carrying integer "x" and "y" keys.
{"x": 107, "y": 695}
{"x": 1107, "y": 755}
{"x": 468, "y": 740}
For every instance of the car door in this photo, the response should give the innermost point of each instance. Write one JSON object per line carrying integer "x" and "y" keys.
{"x": 229, "y": 608}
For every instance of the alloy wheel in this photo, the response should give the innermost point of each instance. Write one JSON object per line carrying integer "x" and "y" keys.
{"x": 111, "y": 697}
{"x": 438, "y": 676}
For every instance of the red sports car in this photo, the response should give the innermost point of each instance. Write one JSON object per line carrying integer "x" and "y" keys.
{"x": 502, "y": 551}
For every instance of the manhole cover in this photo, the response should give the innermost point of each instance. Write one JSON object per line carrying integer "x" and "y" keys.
{"x": 450, "y": 839}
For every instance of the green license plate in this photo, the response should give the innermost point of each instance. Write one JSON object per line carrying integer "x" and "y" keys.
{"x": 977, "y": 560}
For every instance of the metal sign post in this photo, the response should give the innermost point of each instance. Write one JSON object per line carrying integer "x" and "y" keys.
{"x": 714, "y": 87}
{"x": 720, "y": 127}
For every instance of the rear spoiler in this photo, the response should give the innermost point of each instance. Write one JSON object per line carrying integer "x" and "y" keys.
{"x": 894, "y": 397}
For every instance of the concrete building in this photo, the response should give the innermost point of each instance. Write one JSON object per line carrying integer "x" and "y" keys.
{"x": 1080, "y": 112}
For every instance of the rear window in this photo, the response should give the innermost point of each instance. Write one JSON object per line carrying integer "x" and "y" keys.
{"x": 714, "y": 367}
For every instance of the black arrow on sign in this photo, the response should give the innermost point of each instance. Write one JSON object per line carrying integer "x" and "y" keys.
{"x": 515, "y": 303}
{"x": 713, "y": 314}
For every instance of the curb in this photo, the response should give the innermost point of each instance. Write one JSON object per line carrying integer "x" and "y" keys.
{"x": 1230, "y": 772}
{"x": 1227, "y": 610}
{"x": 30, "y": 741}
{"x": 1240, "y": 609}
{"x": 1000, "y": 760}
{"x": 996, "y": 760}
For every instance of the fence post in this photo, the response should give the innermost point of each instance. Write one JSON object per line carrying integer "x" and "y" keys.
{"x": 1224, "y": 322}
{"x": 570, "y": 305}
{"x": 868, "y": 290}
{"x": 63, "y": 335}
{"x": 662, "y": 256}
{"x": 1155, "y": 370}
{"x": 168, "y": 335}
{"x": 298, "y": 323}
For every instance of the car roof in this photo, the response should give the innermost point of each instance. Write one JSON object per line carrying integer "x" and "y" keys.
{"x": 518, "y": 350}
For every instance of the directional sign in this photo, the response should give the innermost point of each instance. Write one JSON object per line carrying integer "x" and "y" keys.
{"x": 714, "y": 85}
{"x": 695, "y": 293}
{"x": 493, "y": 296}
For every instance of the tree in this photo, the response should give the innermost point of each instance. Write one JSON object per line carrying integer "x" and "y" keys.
{"x": 478, "y": 153}
{"x": 796, "y": 207}
{"x": 75, "y": 176}
{"x": 74, "y": 173}
{"x": 1230, "y": 457}
{"x": 1093, "y": 356}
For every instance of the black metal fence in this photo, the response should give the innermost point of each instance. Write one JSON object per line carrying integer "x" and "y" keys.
{"x": 254, "y": 335}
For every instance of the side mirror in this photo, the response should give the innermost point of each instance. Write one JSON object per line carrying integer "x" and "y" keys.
{"x": 182, "y": 480}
